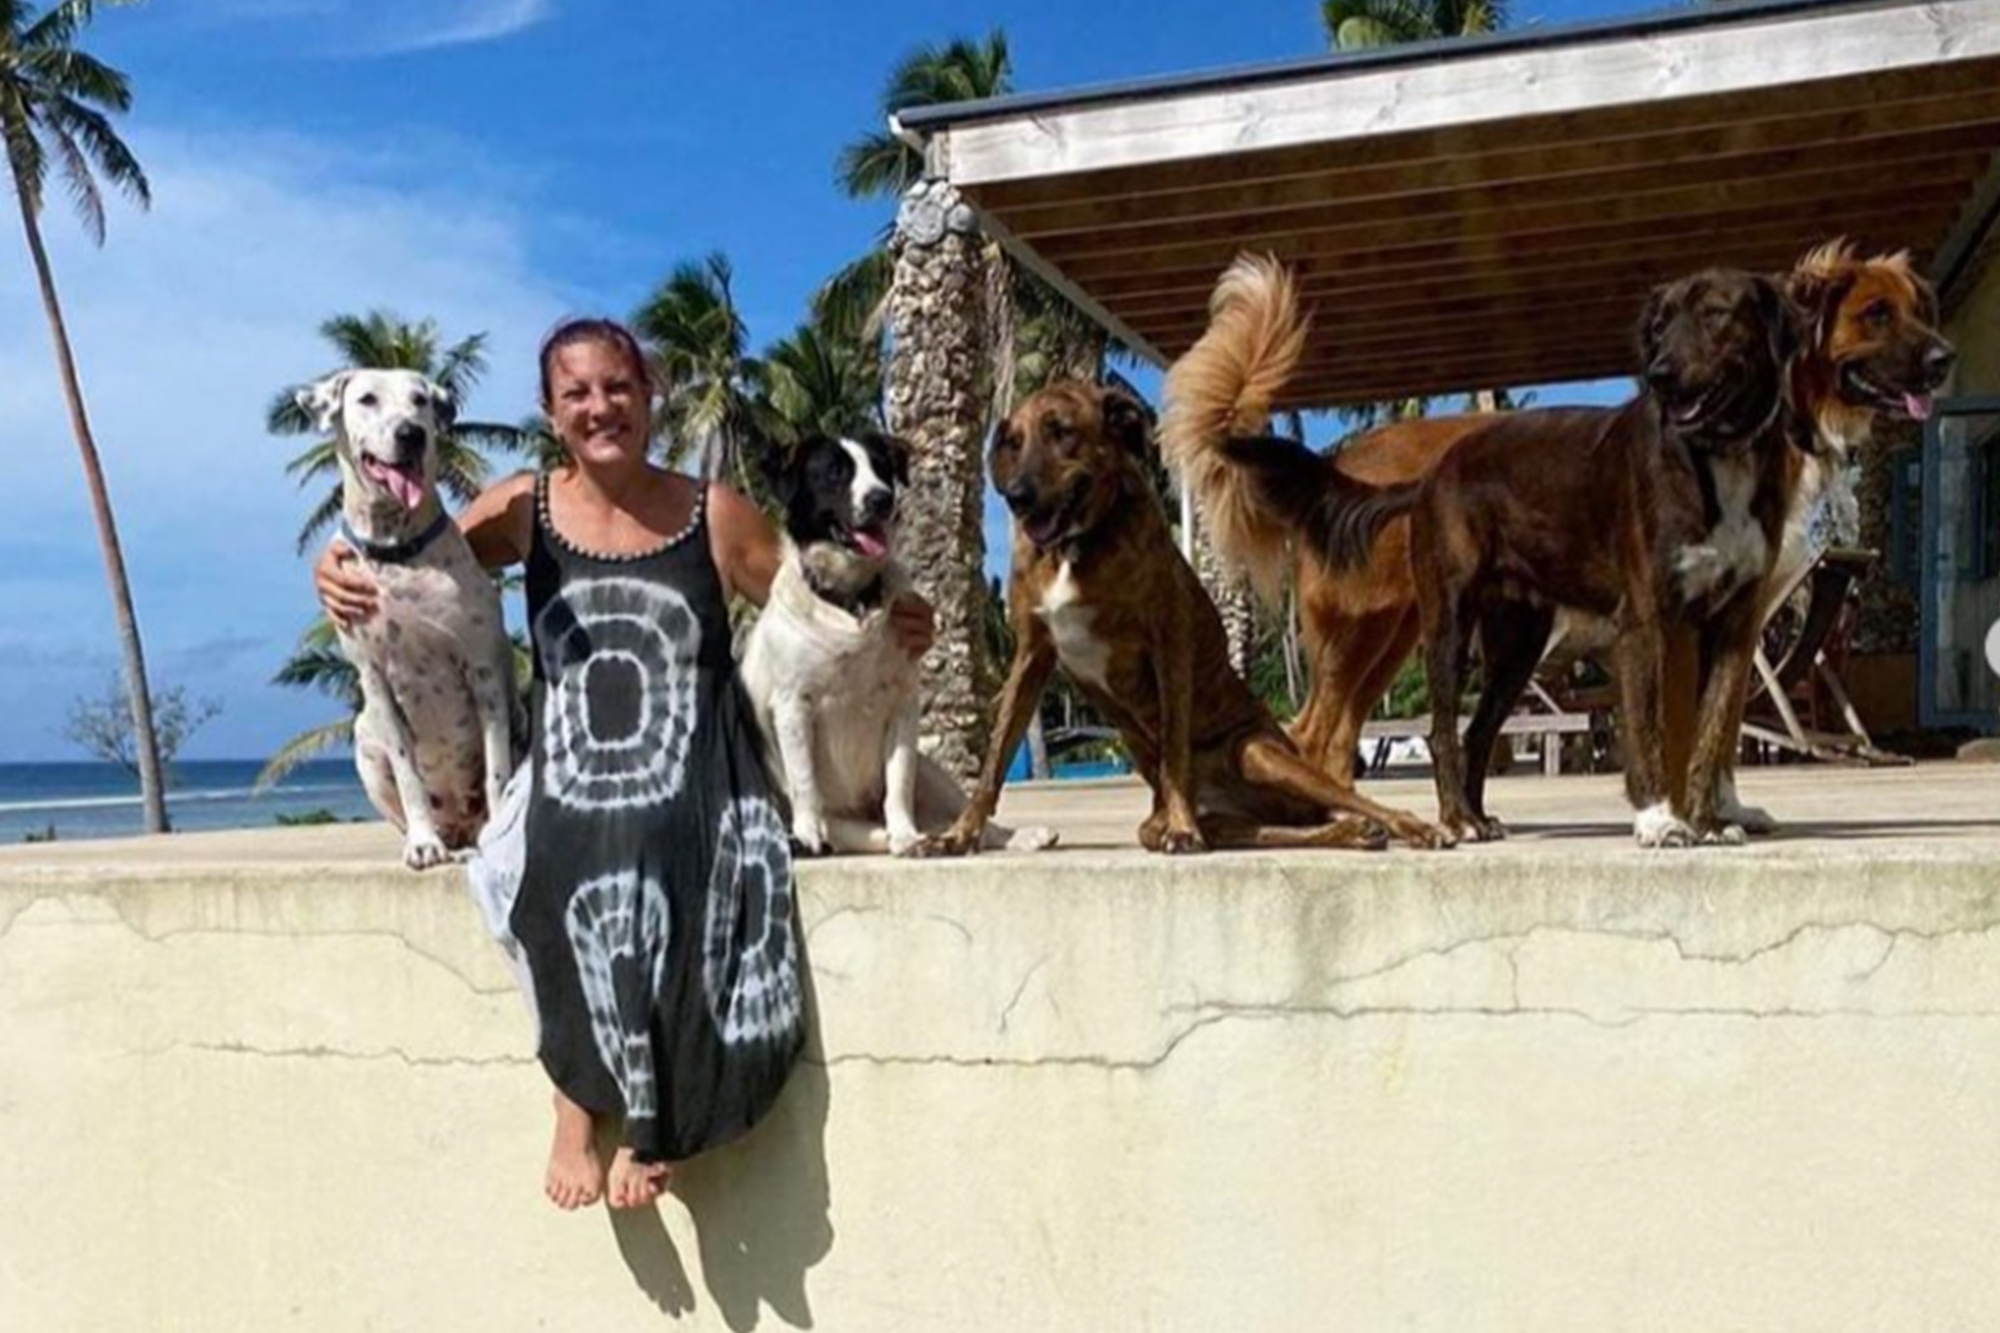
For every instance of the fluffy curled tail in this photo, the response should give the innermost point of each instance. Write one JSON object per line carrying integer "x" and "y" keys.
{"x": 1259, "y": 492}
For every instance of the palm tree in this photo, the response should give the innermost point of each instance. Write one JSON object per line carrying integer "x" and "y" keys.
{"x": 55, "y": 107}
{"x": 697, "y": 339}
{"x": 1355, "y": 25}
{"x": 317, "y": 664}
{"x": 819, "y": 380}
{"x": 878, "y": 165}
{"x": 381, "y": 341}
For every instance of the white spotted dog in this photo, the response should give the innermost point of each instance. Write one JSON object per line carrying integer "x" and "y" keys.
{"x": 434, "y": 739}
{"x": 834, "y": 692}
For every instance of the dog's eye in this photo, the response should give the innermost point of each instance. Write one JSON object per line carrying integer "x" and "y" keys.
{"x": 369, "y": 400}
{"x": 1876, "y": 316}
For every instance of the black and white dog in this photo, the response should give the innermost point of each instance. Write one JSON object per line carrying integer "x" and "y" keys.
{"x": 835, "y": 694}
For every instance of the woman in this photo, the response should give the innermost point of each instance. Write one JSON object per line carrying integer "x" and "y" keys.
{"x": 640, "y": 875}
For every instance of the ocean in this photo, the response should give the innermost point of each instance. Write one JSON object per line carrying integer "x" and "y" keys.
{"x": 80, "y": 801}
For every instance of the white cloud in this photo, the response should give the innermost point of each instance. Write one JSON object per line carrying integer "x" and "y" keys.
{"x": 185, "y": 325}
{"x": 383, "y": 27}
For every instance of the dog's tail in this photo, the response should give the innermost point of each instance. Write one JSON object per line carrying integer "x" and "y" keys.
{"x": 1258, "y": 492}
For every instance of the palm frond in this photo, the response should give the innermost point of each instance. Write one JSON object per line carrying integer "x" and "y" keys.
{"x": 83, "y": 190}
{"x": 323, "y": 516}
{"x": 306, "y": 745}
{"x": 107, "y": 152}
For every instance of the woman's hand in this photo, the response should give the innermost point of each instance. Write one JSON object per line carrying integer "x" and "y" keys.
{"x": 913, "y": 623}
{"x": 345, "y": 589}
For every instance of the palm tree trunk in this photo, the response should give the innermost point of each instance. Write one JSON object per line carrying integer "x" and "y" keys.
{"x": 937, "y": 329}
{"x": 152, "y": 789}
{"x": 1232, "y": 598}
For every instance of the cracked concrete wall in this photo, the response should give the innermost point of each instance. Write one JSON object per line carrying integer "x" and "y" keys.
{"x": 1100, "y": 1093}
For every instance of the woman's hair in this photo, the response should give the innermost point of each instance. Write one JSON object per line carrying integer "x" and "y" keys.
{"x": 592, "y": 329}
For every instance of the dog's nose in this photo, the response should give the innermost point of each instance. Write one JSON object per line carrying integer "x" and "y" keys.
{"x": 876, "y": 505}
{"x": 1939, "y": 358}
{"x": 1660, "y": 373}
{"x": 410, "y": 437}
{"x": 1019, "y": 496}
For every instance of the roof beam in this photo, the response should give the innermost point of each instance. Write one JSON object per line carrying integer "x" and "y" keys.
{"x": 1598, "y": 162}
{"x": 1483, "y": 86}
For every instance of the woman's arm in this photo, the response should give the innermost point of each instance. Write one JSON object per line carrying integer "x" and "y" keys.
{"x": 498, "y": 525}
{"x": 744, "y": 544}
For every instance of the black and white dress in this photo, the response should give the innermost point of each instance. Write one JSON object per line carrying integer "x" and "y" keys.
{"x": 654, "y": 918}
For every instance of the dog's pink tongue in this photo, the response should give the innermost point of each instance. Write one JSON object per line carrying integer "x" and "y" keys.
{"x": 1918, "y": 405}
{"x": 403, "y": 483}
{"x": 869, "y": 542}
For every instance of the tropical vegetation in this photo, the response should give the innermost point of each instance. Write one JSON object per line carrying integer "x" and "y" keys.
{"x": 56, "y": 105}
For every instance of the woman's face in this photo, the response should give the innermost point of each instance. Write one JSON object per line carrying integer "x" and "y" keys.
{"x": 599, "y": 405}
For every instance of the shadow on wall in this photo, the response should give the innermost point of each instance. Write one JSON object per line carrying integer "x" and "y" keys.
{"x": 760, "y": 1209}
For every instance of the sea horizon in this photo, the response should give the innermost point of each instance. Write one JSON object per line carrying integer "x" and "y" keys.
{"x": 78, "y": 800}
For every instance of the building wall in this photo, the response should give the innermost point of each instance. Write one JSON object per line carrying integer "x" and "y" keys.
{"x": 1414, "y": 1092}
{"x": 1974, "y": 324}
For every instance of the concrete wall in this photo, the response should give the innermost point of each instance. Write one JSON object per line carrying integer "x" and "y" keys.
{"x": 1090, "y": 1092}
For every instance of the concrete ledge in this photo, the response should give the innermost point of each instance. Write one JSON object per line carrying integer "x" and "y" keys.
{"x": 269, "y": 1080}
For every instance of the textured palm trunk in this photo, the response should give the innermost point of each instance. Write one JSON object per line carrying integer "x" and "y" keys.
{"x": 152, "y": 787}
{"x": 1232, "y": 597}
{"x": 937, "y": 401}
{"x": 1889, "y": 619}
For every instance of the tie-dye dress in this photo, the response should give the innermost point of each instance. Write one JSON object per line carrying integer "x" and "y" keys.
{"x": 654, "y": 916}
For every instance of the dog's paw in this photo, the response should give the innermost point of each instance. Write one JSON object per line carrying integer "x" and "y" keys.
{"x": 1658, "y": 826}
{"x": 954, "y": 841}
{"x": 905, "y": 842}
{"x": 1414, "y": 832}
{"x": 809, "y": 836}
{"x": 423, "y": 851}
{"x": 1182, "y": 842}
{"x": 1749, "y": 818}
{"x": 1034, "y": 838}
{"x": 1475, "y": 828}
{"x": 1725, "y": 834}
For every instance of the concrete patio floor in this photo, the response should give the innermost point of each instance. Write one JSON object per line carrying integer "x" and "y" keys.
{"x": 1949, "y": 810}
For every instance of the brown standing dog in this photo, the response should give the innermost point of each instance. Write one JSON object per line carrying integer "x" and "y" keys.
{"x": 1099, "y": 588}
{"x": 1870, "y": 347}
{"x": 1666, "y": 514}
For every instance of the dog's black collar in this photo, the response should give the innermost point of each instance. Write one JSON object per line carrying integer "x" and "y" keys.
{"x": 856, "y": 604}
{"x": 395, "y": 553}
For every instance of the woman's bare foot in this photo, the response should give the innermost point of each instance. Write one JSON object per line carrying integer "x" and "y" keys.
{"x": 636, "y": 1184}
{"x": 576, "y": 1177}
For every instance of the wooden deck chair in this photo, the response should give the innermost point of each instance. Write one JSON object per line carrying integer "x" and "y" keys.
{"x": 1809, "y": 663}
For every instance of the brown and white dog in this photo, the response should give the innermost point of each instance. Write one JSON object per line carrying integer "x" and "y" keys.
{"x": 1099, "y": 588}
{"x": 1662, "y": 516}
{"x": 1869, "y": 339}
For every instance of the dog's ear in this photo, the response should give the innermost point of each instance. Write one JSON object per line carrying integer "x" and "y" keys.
{"x": 777, "y": 466}
{"x": 1126, "y": 421}
{"x": 444, "y": 403}
{"x": 1818, "y": 292}
{"x": 897, "y": 450}
{"x": 1647, "y": 332}
{"x": 321, "y": 401}
{"x": 1781, "y": 319}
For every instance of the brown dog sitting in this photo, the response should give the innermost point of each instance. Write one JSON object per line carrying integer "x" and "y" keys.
{"x": 1099, "y": 588}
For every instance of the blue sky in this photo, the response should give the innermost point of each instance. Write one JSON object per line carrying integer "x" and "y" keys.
{"x": 493, "y": 164}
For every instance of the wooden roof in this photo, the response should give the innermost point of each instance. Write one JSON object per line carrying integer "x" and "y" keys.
{"x": 1492, "y": 212}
